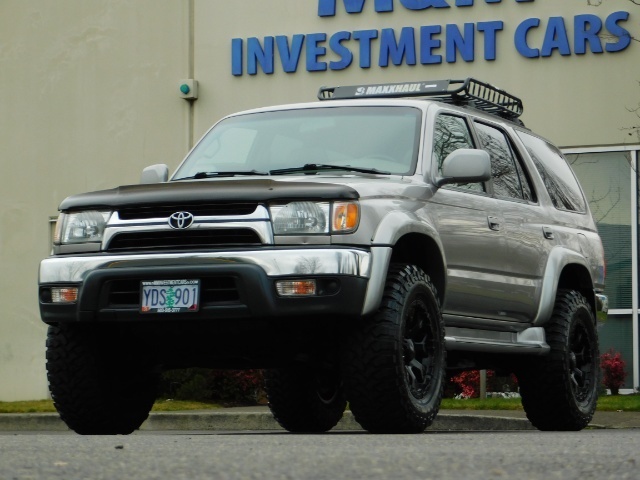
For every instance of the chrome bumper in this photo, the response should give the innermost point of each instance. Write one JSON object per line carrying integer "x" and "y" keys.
{"x": 353, "y": 262}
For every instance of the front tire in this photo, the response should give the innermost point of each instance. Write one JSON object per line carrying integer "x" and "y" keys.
{"x": 560, "y": 391}
{"x": 305, "y": 400}
{"x": 100, "y": 385}
{"x": 395, "y": 363}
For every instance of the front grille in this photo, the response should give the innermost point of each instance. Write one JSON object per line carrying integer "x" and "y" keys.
{"x": 213, "y": 291}
{"x": 191, "y": 239}
{"x": 198, "y": 210}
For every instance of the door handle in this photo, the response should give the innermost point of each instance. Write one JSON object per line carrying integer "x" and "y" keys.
{"x": 494, "y": 223}
{"x": 548, "y": 233}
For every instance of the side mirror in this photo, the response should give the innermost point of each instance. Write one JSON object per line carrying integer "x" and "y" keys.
{"x": 465, "y": 165}
{"x": 155, "y": 174}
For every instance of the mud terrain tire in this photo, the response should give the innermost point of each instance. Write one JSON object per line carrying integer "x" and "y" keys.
{"x": 560, "y": 391}
{"x": 305, "y": 400}
{"x": 395, "y": 362}
{"x": 99, "y": 386}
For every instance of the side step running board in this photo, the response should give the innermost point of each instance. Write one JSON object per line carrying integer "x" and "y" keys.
{"x": 531, "y": 341}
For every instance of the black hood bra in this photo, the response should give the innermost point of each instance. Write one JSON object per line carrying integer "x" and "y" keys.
{"x": 259, "y": 189}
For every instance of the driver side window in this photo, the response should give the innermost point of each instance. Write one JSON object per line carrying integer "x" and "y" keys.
{"x": 452, "y": 133}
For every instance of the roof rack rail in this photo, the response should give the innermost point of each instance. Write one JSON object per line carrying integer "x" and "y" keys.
{"x": 470, "y": 92}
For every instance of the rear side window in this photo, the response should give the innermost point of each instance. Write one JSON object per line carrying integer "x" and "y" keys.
{"x": 509, "y": 180}
{"x": 556, "y": 174}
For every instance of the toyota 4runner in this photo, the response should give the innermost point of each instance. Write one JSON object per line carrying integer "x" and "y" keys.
{"x": 357, "y": 249}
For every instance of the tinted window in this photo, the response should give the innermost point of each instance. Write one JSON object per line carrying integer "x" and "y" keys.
{"x": 556, "y": 174}
{"x": 452, "y": 133}
{"x": 508, "y": 177}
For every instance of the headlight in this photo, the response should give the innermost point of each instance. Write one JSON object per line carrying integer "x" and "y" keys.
{"x": 301, "y": 218}
{"x": 308, "y": 218}
{"x": 81, "y": 227}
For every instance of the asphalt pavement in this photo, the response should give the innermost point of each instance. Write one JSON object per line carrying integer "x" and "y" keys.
{"x": 260, "y": 419}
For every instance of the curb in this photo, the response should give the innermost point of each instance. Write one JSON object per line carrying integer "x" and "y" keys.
{"x": 251, "y": 421}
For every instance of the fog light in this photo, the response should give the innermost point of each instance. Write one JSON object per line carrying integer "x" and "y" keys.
{"x": 296, "y": 288}
{"x": 64, "y": 294}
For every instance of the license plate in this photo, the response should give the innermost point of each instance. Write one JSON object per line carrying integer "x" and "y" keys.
{"x": 169, "y": 296}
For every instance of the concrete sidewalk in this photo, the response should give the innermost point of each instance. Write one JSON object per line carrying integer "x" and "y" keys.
{"x": 259, "y": 418}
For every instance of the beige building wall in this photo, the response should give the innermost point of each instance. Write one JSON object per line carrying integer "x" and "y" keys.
{"x": 89, "y": 96}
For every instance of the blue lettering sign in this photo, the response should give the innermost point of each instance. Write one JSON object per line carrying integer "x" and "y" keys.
{"x": 424, "y": 4}
{"x": 624, "y": 37}
{"x": 428, "y": 44}
{"x": 457, "y": 42}
{"x": 314, "y": 51}
{"x": 289, "y": 57}
{"x": 327, "y": 8}
{"x": 346, "y": 57}
{"x": 490, "y": 30}
{"x": 364, "y": 37}
{"x": 556, "y": 38}
{"x": 586, "y": 30}
{"x": 259, "y": 56}
{"x": 521, "y": 38}
{"x": 405, "y": 48}
{"x": 237, "y": 49}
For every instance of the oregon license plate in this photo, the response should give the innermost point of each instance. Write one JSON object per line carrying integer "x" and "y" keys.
{"x": 169, "y": 296}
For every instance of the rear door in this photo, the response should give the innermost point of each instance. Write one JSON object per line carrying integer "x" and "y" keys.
{"x": 526, "y": 234}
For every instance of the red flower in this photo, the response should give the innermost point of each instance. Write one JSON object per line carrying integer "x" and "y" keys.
{"x": 613, "y": 369}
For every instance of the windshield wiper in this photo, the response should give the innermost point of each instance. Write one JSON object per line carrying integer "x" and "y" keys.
{"x": 201, "y": 175}
{"x": 316, "y": 167}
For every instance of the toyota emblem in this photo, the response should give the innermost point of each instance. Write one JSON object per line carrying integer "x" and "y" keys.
{"x": 181, "y": 220}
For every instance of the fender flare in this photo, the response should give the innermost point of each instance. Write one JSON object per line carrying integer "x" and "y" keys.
{"x": 390, "y": 230}
{"x": 395, "y": 225}
{"x": 559, "y": 258}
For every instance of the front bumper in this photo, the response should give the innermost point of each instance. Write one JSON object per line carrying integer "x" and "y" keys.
{"x": 234, "y": 284}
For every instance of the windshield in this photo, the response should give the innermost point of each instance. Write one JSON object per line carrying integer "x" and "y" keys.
{"x": 363, "y": 139}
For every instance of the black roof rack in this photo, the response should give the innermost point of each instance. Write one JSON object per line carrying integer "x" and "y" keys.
{"x": 470, "y": 92}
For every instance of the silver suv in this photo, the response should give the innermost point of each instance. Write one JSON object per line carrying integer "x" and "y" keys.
{"x": 356, "y": 248}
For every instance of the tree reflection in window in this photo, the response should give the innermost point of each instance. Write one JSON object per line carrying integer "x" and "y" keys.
{"x": 509, "y": 180}
{"x": 556, "y": 174}
{"x": 452, "y": 133}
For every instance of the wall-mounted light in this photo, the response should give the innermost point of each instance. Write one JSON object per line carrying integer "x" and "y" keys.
{"x": 188, "y": 89}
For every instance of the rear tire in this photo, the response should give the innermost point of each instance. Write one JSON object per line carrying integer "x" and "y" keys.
{"x": 305, "y": 400}
{"x": 560, "y": 391}
{"x": 99, "y": 384}
{"x": 395, "y": 364}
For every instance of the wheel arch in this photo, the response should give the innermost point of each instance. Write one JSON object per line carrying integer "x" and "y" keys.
{"x": 566, "y": 269}
{"x": 404, "y": 237}
{"x": 424, "y": 252}
{"x": 576, "y": 277}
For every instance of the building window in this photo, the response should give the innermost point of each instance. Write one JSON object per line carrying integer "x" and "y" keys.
{"x": 606, "y": 178}
{"x": 605, "y": 181}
